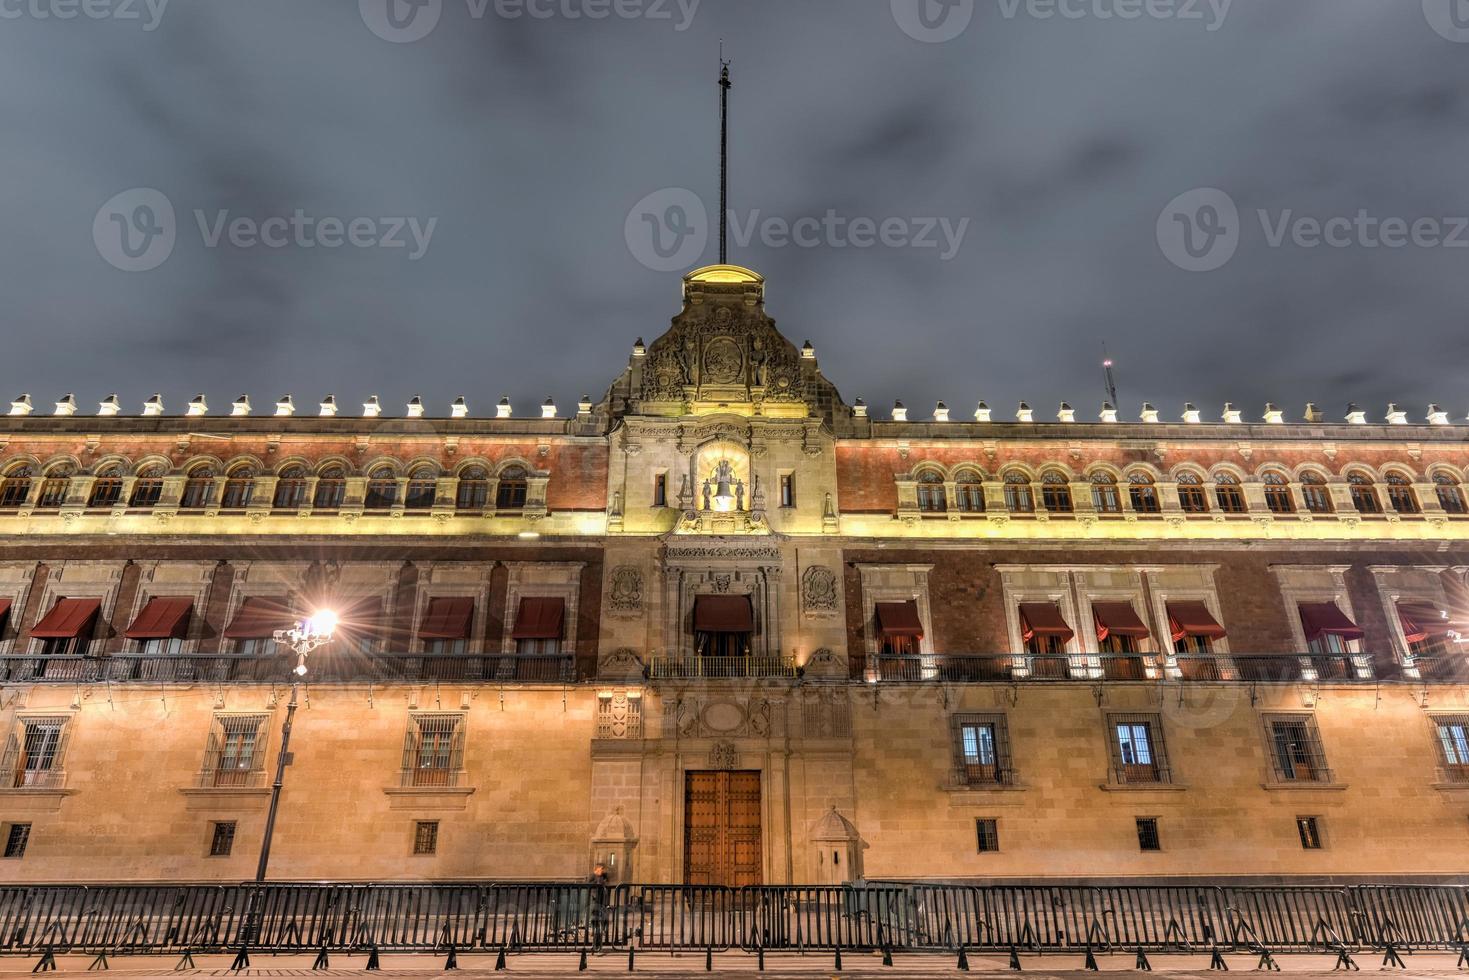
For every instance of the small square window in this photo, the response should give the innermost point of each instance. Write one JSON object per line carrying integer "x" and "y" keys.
{"x": 1147, "y": 834}
{"x": 223, "y": 840}
{"x": 988, "y": 831}
{"x": 426, "y": 837}
{"x": 16, "y": 838}
{"x": 1310, "y": 830}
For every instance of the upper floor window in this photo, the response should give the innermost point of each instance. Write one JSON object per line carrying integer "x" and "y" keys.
{"x": 1401, "y": 495}
{"x": 1018, "y": 496}
{"x": 331, "y": 489}
{"x": 1191, "y": 496}
{"x": 1450, "y": 494}
{"x": 1453, "y": 746}
{"x": 1315, "y": 493}
{"x": 931, "y": 498}
{"x": 511, "y": 491}
{"x": 1136, "y": 745}
{"x": 787, "y": 489}
{"x": 981, "y": 749}
{"x": 969, "y": 492}
{"x": 1229, "y": 494}
{"x": 290, "y": 488}
{"x": 235, "y": 755}
{"x": 54, "y": 488}
{"x": 106, "y": 488}
{"x": 198, "y": 488}
{"x": 239, "y": 488}
{"x": 1144, "y": 493}
{"x": 423, "y": 488}
{"x": 1105, "y": 498}
{"x": 148, "y": 487}
{"x": 1277, "y": 494}
{"x": 474, "y": 489}
{"x": 382, "y": 489}
{"x": 16, "y": 487}
{"x": 1295, "y": 748}
{"x": 1364, "y": 494}
{"x": 1056, "y": 493}
{"x": 34, "y": 753}
{"x": 433, "y": 750}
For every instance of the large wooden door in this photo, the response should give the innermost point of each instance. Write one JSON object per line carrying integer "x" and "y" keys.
{"x": 722, "y": 828}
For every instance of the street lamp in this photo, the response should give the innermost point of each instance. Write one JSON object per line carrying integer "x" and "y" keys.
{"x": 307, "y": 635}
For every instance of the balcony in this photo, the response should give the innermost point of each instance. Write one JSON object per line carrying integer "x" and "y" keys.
{"x": 709, "y": 668}
{"x": 383, "y": 668}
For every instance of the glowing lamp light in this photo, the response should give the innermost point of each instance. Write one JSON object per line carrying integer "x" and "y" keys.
{"x": 323, "y": 622}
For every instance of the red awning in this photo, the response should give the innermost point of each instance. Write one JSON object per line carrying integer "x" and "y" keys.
{"x": 161, "y": 619}
{"x": 1423, "y": 620}
{"x": 447, "y": 619}
{"x": 899, "y": 619}
{"x": 67, "y": 619}
{"x": 1043, "y": 619}
{"x": 1190, "y": 617}
{"x": 259, "y": 617}
{"x": 4, "y": 608}
{"x": 1326, "y": 619}
{"x": 1118, "y": 619}
{"x": 539, "y": 619}
{"x": 723, "y": 614}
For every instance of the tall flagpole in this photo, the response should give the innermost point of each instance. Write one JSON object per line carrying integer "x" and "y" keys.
{"x": 724, "y": 87}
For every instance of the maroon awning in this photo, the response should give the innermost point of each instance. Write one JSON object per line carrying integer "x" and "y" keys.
{"x": 447, "y": 619}
{"x": 1190, "y": 617}
{"x": 723, "y": 614}
{"x": 539, "y": 619}
{"x": 162, "y": 618}
{"x": 1326, "y": 619}
{"x": 4, "y": 609}
{"x": 67, "y": 619}
{"x": 899, "y": 619}
{"x": 1424, "y": 620}
{"x": 1043, "y": 619}
{"x": 259, "y": 617}
{"x": 1118, "y": 619}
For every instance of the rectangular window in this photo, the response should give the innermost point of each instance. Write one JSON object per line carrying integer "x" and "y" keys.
{"x": 17, "y": 836}
{"x": 235, "y": 755}
{"x": 1310, "y": 830}
{"x": 987, "y": 830}
{"x": 433, "y": 751}
{"x": 660, "y": 490}
{"x": 982, "y": 750}
{"x": 1296, "y": 750}
{"x": 1136, "y": 744}
{"x": 787, "y": 490}
{"x": 1147, "y": 834}
{"x": 426, "y": 837}
{"x": 1453, "y": 746}
{"x": 33, "y": 754}
{"x": 222, "y": 841}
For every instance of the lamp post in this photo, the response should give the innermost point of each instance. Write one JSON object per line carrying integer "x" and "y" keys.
{"x": 304, "y": 637}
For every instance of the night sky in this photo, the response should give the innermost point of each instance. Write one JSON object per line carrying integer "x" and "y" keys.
{"x": 1056, "y": 143}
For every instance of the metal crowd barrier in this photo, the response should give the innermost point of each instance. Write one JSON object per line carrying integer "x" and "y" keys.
{"x": 887, "y": 916}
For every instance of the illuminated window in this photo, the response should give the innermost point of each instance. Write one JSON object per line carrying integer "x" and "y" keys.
{"x": 290, "y": 488}
{"x": 1315, "y": 493}
{"x": 1453, "y": 746}
{"x": 931, "y": 499}
{"x": 147, "y": 488}
{"x": 423, "y": 488}
{"x": 331, "y": 489}
{"x": 1105, "y": 498}
{"x": 1227, "y": 491}
{"x": 106, "y": 488}
{"x": 1018, "y": 496}
{"x": 1191, "y": 496}
{"x": 1277, "y": 494}
{"x": 1364, "y": 494}
{"x": 433, "y": 750}
{"x": 1144, "y": 493}
{"x": 981, "y": 749}
{"x": 1056, "y": 493}
{"x": 235, "y": 755}
{"x": 787, "y": 489}
{"x": 198, "y": 488}
{"x": 512, "y": 489}
{"x": 1401, "y": 495}
{"x": 474, "y": 489}
{"x": 239, "y": 488}
{"x": 382, "y": 489}
{"x": 1136, "y": 746}
{"x": 1450, "y": 494}
{"x": 34, "y": 754}
{"x": 1309, "y": 829}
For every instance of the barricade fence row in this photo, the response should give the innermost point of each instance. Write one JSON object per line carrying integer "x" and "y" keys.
{"x": 892, "y": 916}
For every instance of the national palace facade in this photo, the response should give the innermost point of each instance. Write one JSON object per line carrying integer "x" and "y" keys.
{"x": 721, "y": 626}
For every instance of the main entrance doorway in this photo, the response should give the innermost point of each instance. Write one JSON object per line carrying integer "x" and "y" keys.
{"x": 722, "y": 828}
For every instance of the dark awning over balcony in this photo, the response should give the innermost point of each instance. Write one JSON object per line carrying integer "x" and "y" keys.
{"x": 447, "y": 619}
{"x": 1190, "y": 617}
{"x": 1326, "y": 619}
{"x": 1043, "y": 619}
{"x": 539, "y": 619}
{"x": 67, "y": 619}
{"x": 4, "y": 609}
{"x": 161, "y": 619}
{"x": 259, "y": 617}
{"x": 1423, "y": 621}
{"x": 1118, "y": 619}
{"x": 899, "y": 619}
{"x": 723, "y": 614}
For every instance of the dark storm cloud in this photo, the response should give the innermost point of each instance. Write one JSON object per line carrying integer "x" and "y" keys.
{"x": 1060, "y": 140}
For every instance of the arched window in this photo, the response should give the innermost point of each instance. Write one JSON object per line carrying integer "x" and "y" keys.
{"x": 1277, "y": 494}
{"x": 1144, "y": 493}
{"x": 931, "y": 499}
{"x": 290, "y": 488}
{"x": 1105, "y": 498}
{"x": 423, "y": 488}
{"x": 54, "y": 488}
{"x": 1018, "y": 496}
{"x": 239, "y": 488}
{"x": 1315, "y": 494}
{"x": 1191, "y": 496}
{"x": 16, "y": 487}
{"x": 148, "y": 487}
{"x": 1230, "y": 495}
{"x": 969, "y": 492}
{"x": 1450, "y": 494}
{"x": 1401, "y": 495}
{"x": 331, "y": 489}
{"x": 1364, "y": 494}
{"x": 510, "y": 495}
{"x": 382, "y": 489}
{"x": 106, "y": 488}
{"x": 1056, "y": 493}
{"x": 474, "y": 489}
{"x": 198, "y": 488}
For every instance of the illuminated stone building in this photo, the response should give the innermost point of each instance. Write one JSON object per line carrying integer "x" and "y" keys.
{"x": 719, "y": 625}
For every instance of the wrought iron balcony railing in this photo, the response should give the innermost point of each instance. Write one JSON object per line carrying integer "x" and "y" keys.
{"x": 699, "y": 668}
{"x": 323, "y": 669}
{"x": 1280, "y": 668}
